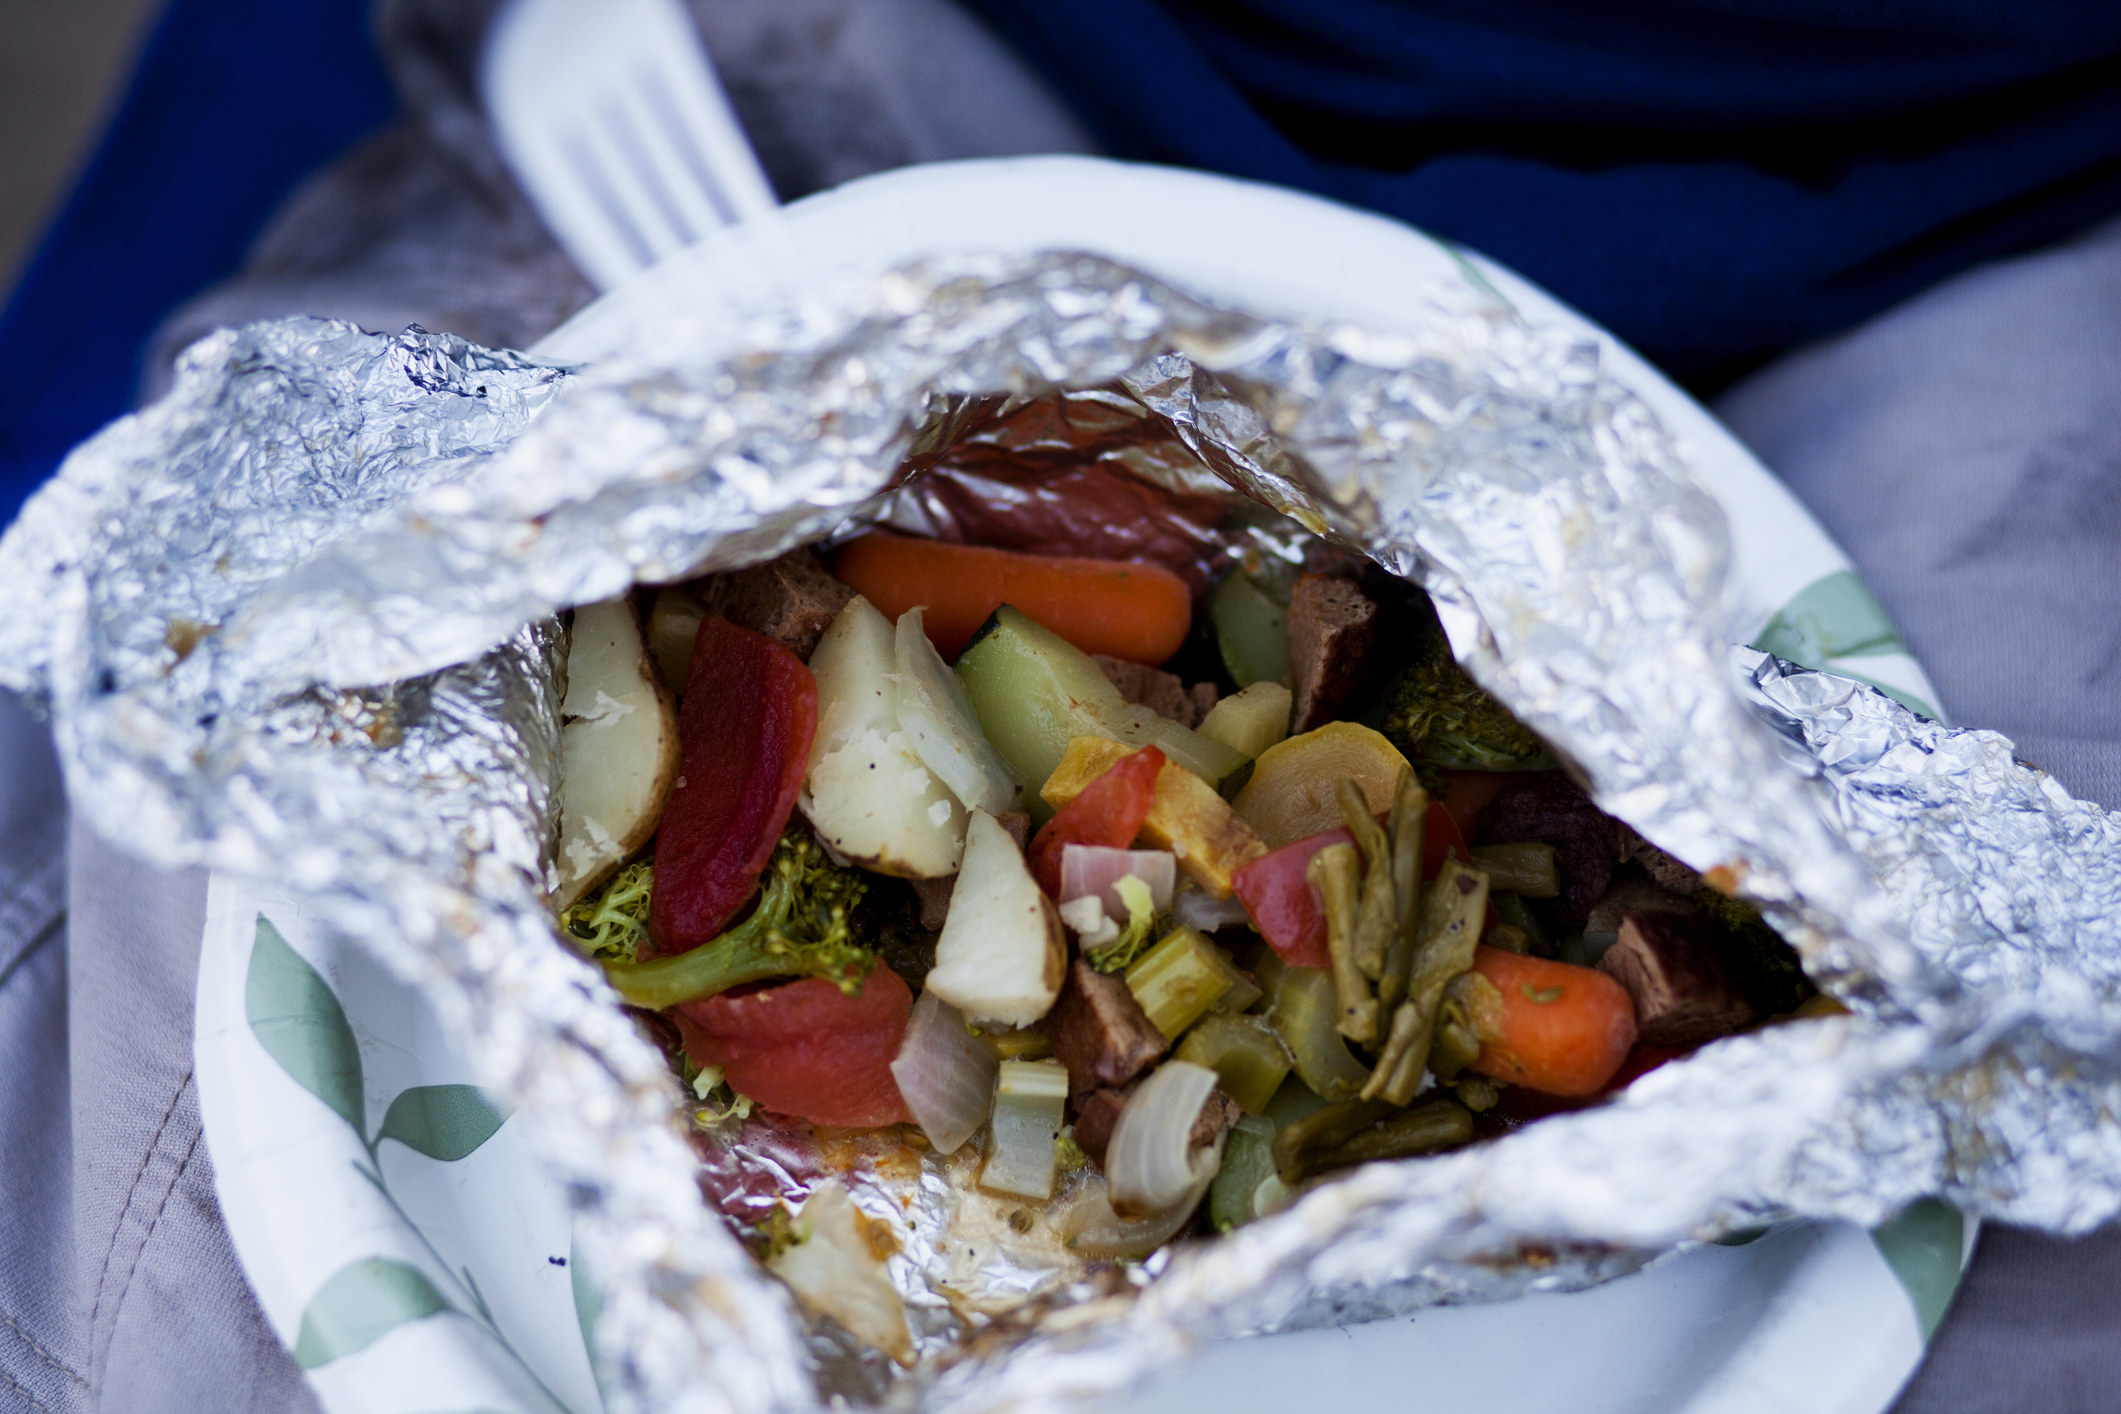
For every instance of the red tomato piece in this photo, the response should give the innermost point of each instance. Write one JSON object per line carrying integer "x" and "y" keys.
{"x": 1109, "y": 812}
{"x": 1286, "y": 909}
{"x": 808, "y": 1049}
{"x": 1440, "y": 839}
{"x": 744, "y": 733}
{"x": 1466, "y": 792}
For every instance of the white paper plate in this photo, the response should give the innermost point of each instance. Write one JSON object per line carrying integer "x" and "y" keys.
{"x": 404, "y": 1245}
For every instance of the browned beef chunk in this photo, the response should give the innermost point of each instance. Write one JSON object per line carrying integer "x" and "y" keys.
{"x": 1217, "y": 1114}
{"x": 934, "y": 895}
{"x": 1161, "y": 692}
{"x": 1018, "y": 824}
{"x": 1669, "y": 964}
{"x": 1099, "y": 1031}
{"x": 1667, "y": 870}
{"x": 1332, "y": 628}
{"x": 1096, "y": 1118}
{"x": 1630, "y": 893}
{"x": 791, "y": 600}
{"x": 1546, "y": 807}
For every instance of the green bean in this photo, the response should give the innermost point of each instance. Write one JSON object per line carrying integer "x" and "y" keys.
{"x": 1477, "y": 1093}
{"x": 1410, "y": 815}
{"x": 1375, "y": 915}
{"x": 1513, "y": 910}
{"x": 1527, "y": 869}
{"x": 1406, "y": 1029}
{"x": 1323, "y": 1129}
{"x": 1425, "y": 1129}
{"x": 1332, "y": 871}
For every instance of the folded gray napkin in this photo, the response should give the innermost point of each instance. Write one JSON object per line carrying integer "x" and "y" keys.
{"x": 1966, "y": 449}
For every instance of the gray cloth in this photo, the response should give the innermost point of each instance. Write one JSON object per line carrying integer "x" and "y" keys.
{"x": 1966, "y": 449}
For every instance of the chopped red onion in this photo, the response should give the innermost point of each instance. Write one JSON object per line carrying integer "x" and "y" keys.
{"x": 945, "y": 1073}
{"x": 1095, "y": 870}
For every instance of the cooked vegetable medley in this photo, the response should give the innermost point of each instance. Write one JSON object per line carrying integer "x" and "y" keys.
{"x": 1166, "y": 899}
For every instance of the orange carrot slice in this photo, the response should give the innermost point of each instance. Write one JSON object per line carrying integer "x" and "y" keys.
{"x": 1557, "y": 1028}
{"x": 1134, "y": 611}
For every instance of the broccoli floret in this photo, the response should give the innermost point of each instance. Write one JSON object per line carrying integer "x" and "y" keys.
{"x": 612, "y": 921}
{"x": 1118, "y": 953}
{"x": 1442, "y": 719}
{"x": 799, "y": 929}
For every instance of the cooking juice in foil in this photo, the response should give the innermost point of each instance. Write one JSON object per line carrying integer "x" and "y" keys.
{"x": 300, "y": 619}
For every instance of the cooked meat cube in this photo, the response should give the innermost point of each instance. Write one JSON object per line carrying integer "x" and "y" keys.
{"x": 1669, "y": 872}
{"x": 1161, "y": 692}
{"x": 1668, "y": 963}
{"x": 1018, "y": 824}
{"x": 792, "y": 600}
{"x": 1546, "y": 807}
{"x": 1099, "y": 1032}
{"x": 1630, "y": 893}
{"x": 934, "y": 895}
{"x": 1332, "y": 627}
{"x": 1217, "y": 1114}
{"x": 1096, "y": 1118}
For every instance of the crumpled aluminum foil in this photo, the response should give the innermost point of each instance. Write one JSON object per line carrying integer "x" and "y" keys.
{"x": 297, "y": 619}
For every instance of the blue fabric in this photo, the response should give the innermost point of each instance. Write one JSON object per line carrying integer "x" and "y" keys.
{"x": 234, "y": 101}
{"x": 1715, "y": 180}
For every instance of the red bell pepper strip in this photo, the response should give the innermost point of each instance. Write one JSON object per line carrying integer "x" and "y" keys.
{"x": 744, "y": 733}
{"x": 1109, "y": 812}
{"x": 806, "y": 1048}
{"x": 1287, "y": 910}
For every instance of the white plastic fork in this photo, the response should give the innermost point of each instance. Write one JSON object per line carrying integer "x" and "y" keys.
{"x": 609, "y": 113}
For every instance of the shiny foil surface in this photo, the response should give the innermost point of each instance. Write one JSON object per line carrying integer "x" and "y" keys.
{"x": 297, "y": 620}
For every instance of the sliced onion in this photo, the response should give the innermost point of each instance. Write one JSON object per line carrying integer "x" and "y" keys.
{"x": 1089, "y": 1226}
{"x": 1151, "y": 1164}
{"x": 1093, "y": 926}
{"x": 1095, "y": 870}
{"x": 945, "y": 1073}
{"x": 937, "y": 717}
{"x": 1199, "y": 909}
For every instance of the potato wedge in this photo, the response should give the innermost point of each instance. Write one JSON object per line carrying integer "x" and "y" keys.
{"x": 618, "y": 748}
{"x": 1002, "y": 953}
{"x": 869, "y": 795}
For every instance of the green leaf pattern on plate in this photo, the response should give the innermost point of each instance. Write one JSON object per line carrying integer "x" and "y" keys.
{"x": 297, "y": 1018}
{"x": 1832, "y": 617}
{"x": 1923, "y": 1246}
{"x": 300, "y": 1024}
{"x": 362, "y": 1302}
{"x": 445, "y": 1122}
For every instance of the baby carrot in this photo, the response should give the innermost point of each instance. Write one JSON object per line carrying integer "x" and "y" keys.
{"x": 1134, "y": 611}
{"x": 1550, "y": 1026}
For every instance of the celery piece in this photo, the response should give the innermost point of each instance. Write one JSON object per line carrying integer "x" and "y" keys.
{"x": 1251, "y": 721}
{"x": 1526, "y": 869}
{"x": 1179, "y": 979}
{"x": 1013, "y": 1045}
{"x": 1252, "y": 630}
{"x": 1030, "y": 1098}
{"x": 1248, "y": 1059}
{"x": 1248, "y": 1161}
{"x": 1034, "y": 692}
{"x": 1305, "y": 1014}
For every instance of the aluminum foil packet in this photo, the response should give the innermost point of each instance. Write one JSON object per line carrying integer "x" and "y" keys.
{"x": 298, "y": 620}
